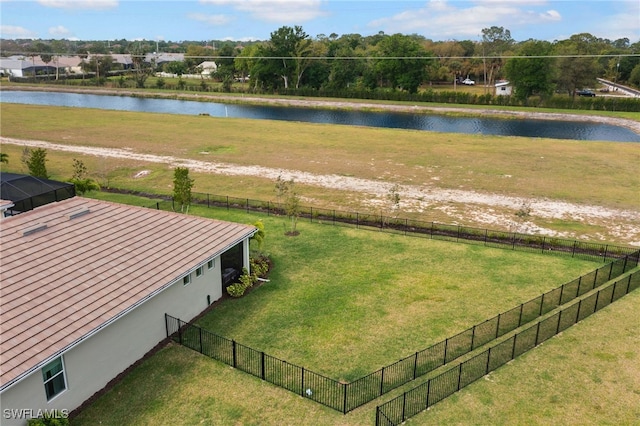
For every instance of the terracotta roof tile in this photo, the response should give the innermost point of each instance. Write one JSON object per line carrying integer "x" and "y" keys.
{"x": 61, "y": 282}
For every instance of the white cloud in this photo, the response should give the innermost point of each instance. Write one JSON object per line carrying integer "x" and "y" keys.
{"x": 12, "y": 31}
{"x": 210, "y": 19}
{"x": 280, "y": 11}
{"x": 80, "y": 4}
{"x": 59, "y": 31}
{"x": 441, "y": 19}
{"x": 621, "y": 25}
{"x": 550, "y": 15}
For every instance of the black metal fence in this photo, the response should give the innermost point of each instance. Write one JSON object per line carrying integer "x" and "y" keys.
{"x": 296, "y": 379}
{"x": 346, "y": 397}
{"x": 418, "y": 399}
{"x": 419, "y": 228}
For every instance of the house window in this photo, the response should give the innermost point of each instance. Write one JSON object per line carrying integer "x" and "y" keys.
{"x": 199, "y": 271}
{"x": 53, "y": 376}
{"x": 186, "y": 279}
{"x": 210, "y": 264}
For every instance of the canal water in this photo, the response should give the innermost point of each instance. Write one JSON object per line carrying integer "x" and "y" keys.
{"x": 400, "y": 120}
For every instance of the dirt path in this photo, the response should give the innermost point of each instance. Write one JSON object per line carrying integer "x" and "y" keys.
{"x": 483, "y": 209}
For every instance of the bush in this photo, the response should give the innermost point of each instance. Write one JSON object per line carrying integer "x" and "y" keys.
{"x": 236, "y": 290}
{"x": 50, "y": 419}
{"x": 259, "y": 268}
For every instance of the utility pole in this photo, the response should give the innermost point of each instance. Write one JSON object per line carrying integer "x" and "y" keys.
{"x": 484, "y": 64}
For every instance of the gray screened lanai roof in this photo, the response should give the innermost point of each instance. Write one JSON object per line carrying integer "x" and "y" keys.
{"x": 28, "y": 192}
{"x": 71, "y": 267}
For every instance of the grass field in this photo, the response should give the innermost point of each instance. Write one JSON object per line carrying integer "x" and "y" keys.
{"x": 601, "y": 174}
{"x": 595, "y": 363}
{"x": 341, "y": 325}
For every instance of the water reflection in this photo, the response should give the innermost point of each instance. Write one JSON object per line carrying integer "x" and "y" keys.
{"x": 436, "y": 123}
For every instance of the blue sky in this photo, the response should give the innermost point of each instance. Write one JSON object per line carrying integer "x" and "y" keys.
{"x": 240, "y": 20}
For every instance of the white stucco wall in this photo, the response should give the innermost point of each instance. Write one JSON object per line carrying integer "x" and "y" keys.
{"x": 90, "y": 365}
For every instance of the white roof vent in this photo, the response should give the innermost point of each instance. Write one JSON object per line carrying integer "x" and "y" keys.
{"x": 78, "y": 213}
{"x": 33, "y": 229}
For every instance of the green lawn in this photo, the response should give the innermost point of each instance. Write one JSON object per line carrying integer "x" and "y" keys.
{"x": 341, "y": 302}
{"x": 588, "y": 375}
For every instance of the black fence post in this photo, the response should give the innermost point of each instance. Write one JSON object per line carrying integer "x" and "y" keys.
{"x": 233, "y": 349}
{"x": 595, "y": 305}
{"x": 473, "y": 336}
{"x": 520, "y": 317}
{"x": 415, "y": 366}
{"x": 537, "y": 333}
{"x": 579, "y": 308}
{"x": 428, "y": 392}
{"x": 382, "y": 382}
{"x": 459, "y": 375}
{"x": 573, "y": 253}
{"x": 446, "y": 344}
{"x": 498, "y": 326}
{"x": 595, "y": 278}
{"x": 404, "y": 402}
{"x": 579, "y": 284}
{"x": 606, "y": 249}
{"x": 166, "y": 323}
{"x": 559, "y": 319}
{"x": 179, "y": 332}
{"x": 344, "y": 403}
{"x": 488, "y": 360}
{"x": 302, "y": 383}
{"x": 262, "y": 365}
{"x": 541, "y": 305}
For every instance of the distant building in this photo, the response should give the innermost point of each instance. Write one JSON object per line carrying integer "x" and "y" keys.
{"x": 503, "y": 88}
{"x": 208, "y": 68}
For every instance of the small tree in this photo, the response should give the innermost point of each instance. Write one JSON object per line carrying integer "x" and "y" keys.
{"x": 182, "y": 185}
{"x": 81, "y": 180}
{"x": 292, "y": 208}
{"x": 289, "y": 201}
{"x": 393, "y": 201}
{"x": 522, "y": 215}
{"x": 35, "y": 161}
{"x": 258, "y": 237}
{"x": 4, "y": 158}
{"x": 281, "y": 189}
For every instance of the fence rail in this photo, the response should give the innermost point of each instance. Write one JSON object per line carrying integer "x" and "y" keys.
{"x": 346, "y": 397}
{"x": 418, "y": 399}
{"x": 413, "y": 227}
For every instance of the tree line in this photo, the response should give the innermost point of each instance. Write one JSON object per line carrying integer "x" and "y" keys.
{"x": 291, "y": 59}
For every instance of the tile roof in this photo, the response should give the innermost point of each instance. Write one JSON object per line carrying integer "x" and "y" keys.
{"x": 69, "y": 267}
